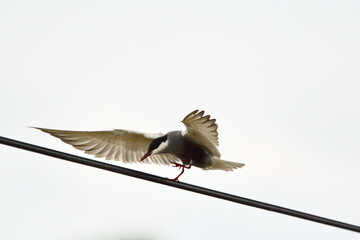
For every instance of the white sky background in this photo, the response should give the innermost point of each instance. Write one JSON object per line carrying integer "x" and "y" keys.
{"x": 282, "y": 78}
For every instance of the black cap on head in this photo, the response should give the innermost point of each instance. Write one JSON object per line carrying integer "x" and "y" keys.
{"x": 156, "y": 143}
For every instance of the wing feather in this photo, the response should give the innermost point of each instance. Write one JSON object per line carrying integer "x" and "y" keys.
{"x": 112, "y": 152}
{"x": 203, "y": 130}
{"x": 127, "y": 146}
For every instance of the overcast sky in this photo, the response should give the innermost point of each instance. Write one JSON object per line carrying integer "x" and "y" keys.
{"x": 282, "y": 78}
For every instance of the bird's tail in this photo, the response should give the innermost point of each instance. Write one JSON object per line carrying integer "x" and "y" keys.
{"x": 218, "y": 164}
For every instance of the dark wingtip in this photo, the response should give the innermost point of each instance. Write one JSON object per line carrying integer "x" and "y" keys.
{"x": 34, "y": 127}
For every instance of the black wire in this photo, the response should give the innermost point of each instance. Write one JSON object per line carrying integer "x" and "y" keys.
{"x": 181, "y": 185}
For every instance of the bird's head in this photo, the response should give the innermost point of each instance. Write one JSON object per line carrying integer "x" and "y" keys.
{"x": 158, "y": 145}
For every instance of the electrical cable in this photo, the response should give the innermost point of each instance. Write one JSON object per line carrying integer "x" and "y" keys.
{"x": 181, "y": 185}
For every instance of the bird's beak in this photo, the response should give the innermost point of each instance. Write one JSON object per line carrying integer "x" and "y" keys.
{"x": 145, "y": 156}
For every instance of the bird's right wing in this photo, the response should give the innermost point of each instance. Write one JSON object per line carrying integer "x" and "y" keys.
{"x": 118, "y": 144}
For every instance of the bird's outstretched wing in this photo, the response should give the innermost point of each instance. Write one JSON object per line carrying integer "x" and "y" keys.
{"x": 124, "y": 145}
{"x": 202, "y": 129}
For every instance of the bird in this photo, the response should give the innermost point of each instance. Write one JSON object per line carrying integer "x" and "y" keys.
{"x": 196, "y": 146}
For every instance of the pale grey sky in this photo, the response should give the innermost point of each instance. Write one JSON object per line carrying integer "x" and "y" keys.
{"x": 281, "y": 78}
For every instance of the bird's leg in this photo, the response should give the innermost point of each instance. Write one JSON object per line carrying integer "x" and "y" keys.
{"x": 177, "y": 178}
{"x": 182, "y": 167}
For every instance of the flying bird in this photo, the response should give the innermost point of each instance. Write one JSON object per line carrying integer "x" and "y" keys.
{"x": 195, "y": 146}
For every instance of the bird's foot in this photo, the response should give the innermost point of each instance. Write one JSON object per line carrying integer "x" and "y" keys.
{"x": 173, "y": 179}
{"x": 180, "y": 165}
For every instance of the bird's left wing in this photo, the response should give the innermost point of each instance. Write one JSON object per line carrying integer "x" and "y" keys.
{"x": 118, "y": 144}
{"x": 202, "y": 129}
